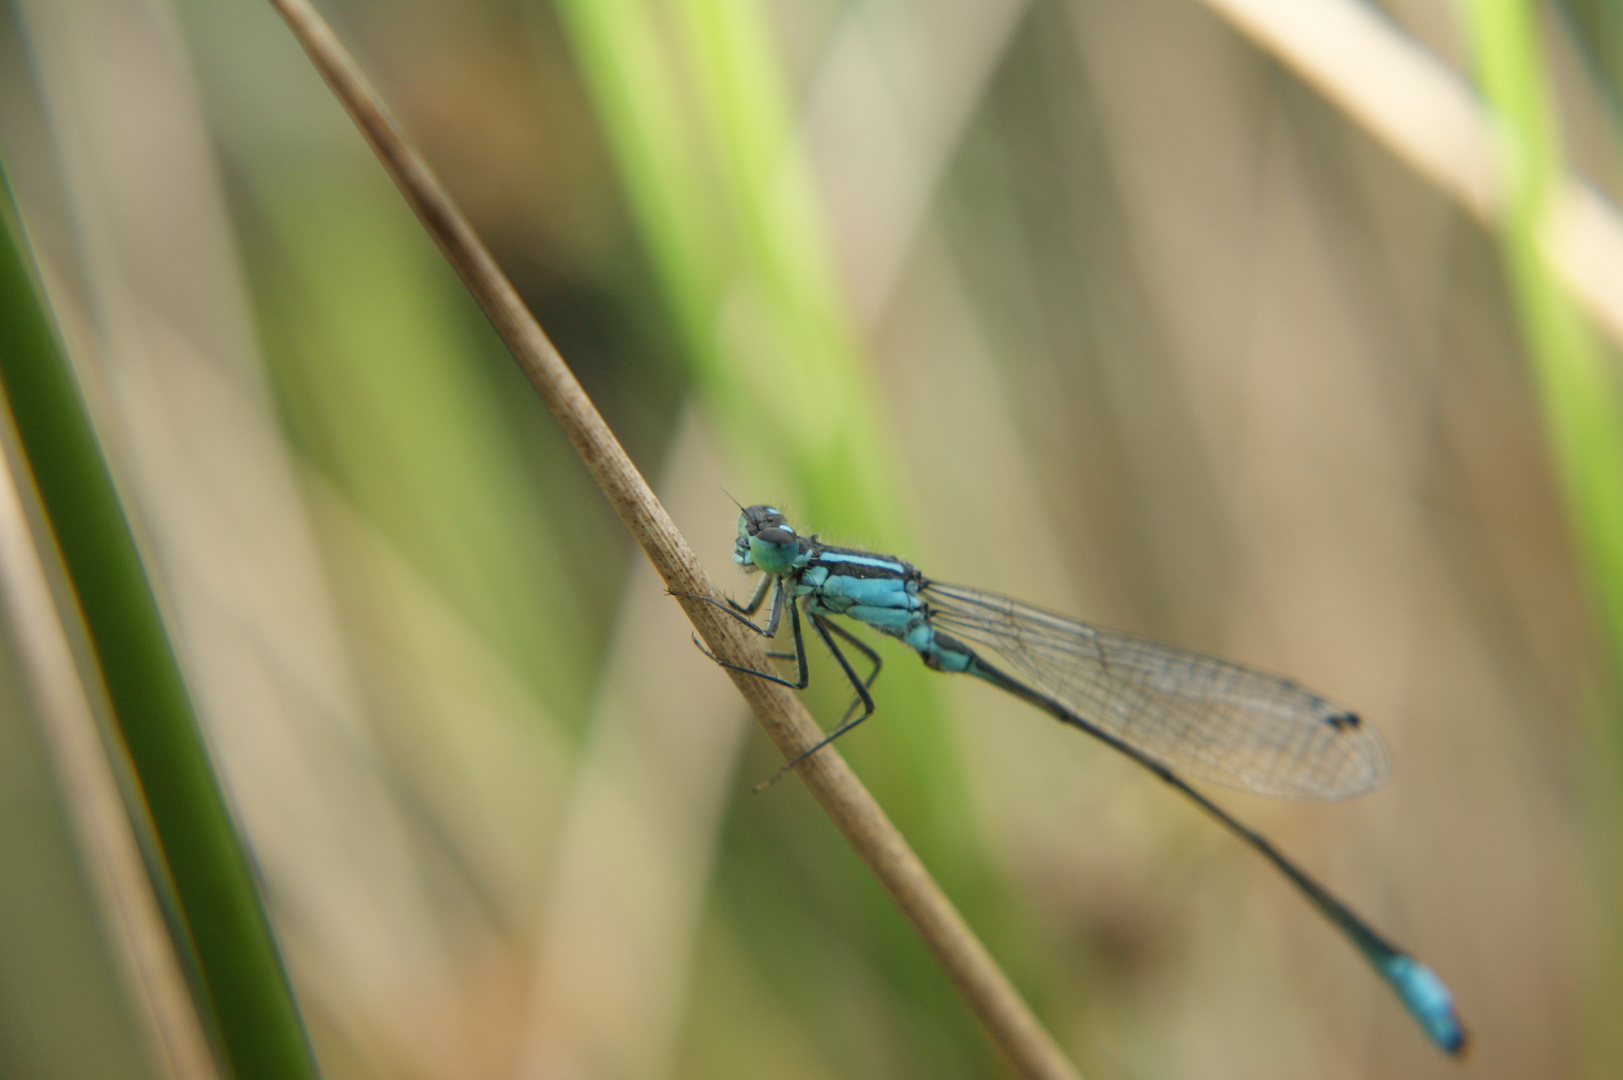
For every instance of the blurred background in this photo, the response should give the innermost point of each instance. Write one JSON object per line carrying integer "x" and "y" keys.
{"x": 1093, "y": 303}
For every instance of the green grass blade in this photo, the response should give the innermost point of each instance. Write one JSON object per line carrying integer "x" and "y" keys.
{"x": 238, "y": 967}
{"x": 726, "y": 208}
{"x": 1579, "y": 397}
{"x": 697, "y": 112}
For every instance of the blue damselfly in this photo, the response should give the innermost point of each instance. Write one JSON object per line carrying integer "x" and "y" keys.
{"x": 1174, "y": 712}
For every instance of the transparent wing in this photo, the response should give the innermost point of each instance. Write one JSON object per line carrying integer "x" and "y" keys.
{"x": 1201, "y": 716}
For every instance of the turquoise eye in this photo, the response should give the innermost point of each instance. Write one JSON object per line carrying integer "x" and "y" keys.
{"x": 774, "y": 549}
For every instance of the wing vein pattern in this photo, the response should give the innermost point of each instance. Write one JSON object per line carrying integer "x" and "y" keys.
{"x": 1199, "y": 715}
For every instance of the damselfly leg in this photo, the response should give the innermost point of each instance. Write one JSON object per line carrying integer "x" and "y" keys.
{"x": 802, "y": 677}
{"x": 826, "y": 631}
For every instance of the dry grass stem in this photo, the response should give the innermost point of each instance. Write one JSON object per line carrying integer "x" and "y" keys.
{"x": 1429, "y": 116}
{"x": 854, "y": 812}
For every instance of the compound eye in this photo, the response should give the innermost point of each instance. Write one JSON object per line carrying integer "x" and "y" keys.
{"x": 777, "y": 535}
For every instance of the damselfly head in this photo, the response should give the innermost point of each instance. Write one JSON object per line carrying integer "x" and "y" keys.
{"x": 765, "y": 540}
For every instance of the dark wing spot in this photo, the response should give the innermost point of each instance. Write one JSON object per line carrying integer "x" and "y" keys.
{"x": 1343, "y": 721}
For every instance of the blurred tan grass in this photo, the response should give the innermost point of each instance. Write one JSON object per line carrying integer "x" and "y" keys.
{"x": 1172, "y": 345}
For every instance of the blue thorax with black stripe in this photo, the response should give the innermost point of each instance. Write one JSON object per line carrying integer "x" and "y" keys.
{"x": 878, "y": 590}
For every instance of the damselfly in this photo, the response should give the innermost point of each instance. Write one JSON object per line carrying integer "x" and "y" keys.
{"x": 1174, "y": 712}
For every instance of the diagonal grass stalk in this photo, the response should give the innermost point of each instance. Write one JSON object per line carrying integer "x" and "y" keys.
{"x": 697, "y": 112}
{"x": 218, "y": 916}
{"x": 865, "y": 826}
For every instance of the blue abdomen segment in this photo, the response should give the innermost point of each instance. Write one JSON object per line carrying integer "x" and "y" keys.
{"x": 1425, "y": 996}
{"x": 940, "y": 652}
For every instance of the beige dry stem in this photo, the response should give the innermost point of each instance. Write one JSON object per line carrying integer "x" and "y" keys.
{"x": 842, "y": 796}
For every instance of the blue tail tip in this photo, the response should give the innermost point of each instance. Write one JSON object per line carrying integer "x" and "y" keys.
{"x": 1429, "y": 1001}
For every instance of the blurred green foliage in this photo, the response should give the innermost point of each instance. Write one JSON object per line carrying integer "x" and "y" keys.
{"x": 1173, "y": 345}
{"x": 1577, "y": 381}
{"x": 197, "y": 857}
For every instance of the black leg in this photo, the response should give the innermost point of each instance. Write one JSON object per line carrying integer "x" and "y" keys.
{"x": 864, "y": 698}
{"x": 862, "y": 647}
{"x": 743, "y": 614}
{"x": 803, "y": 676}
